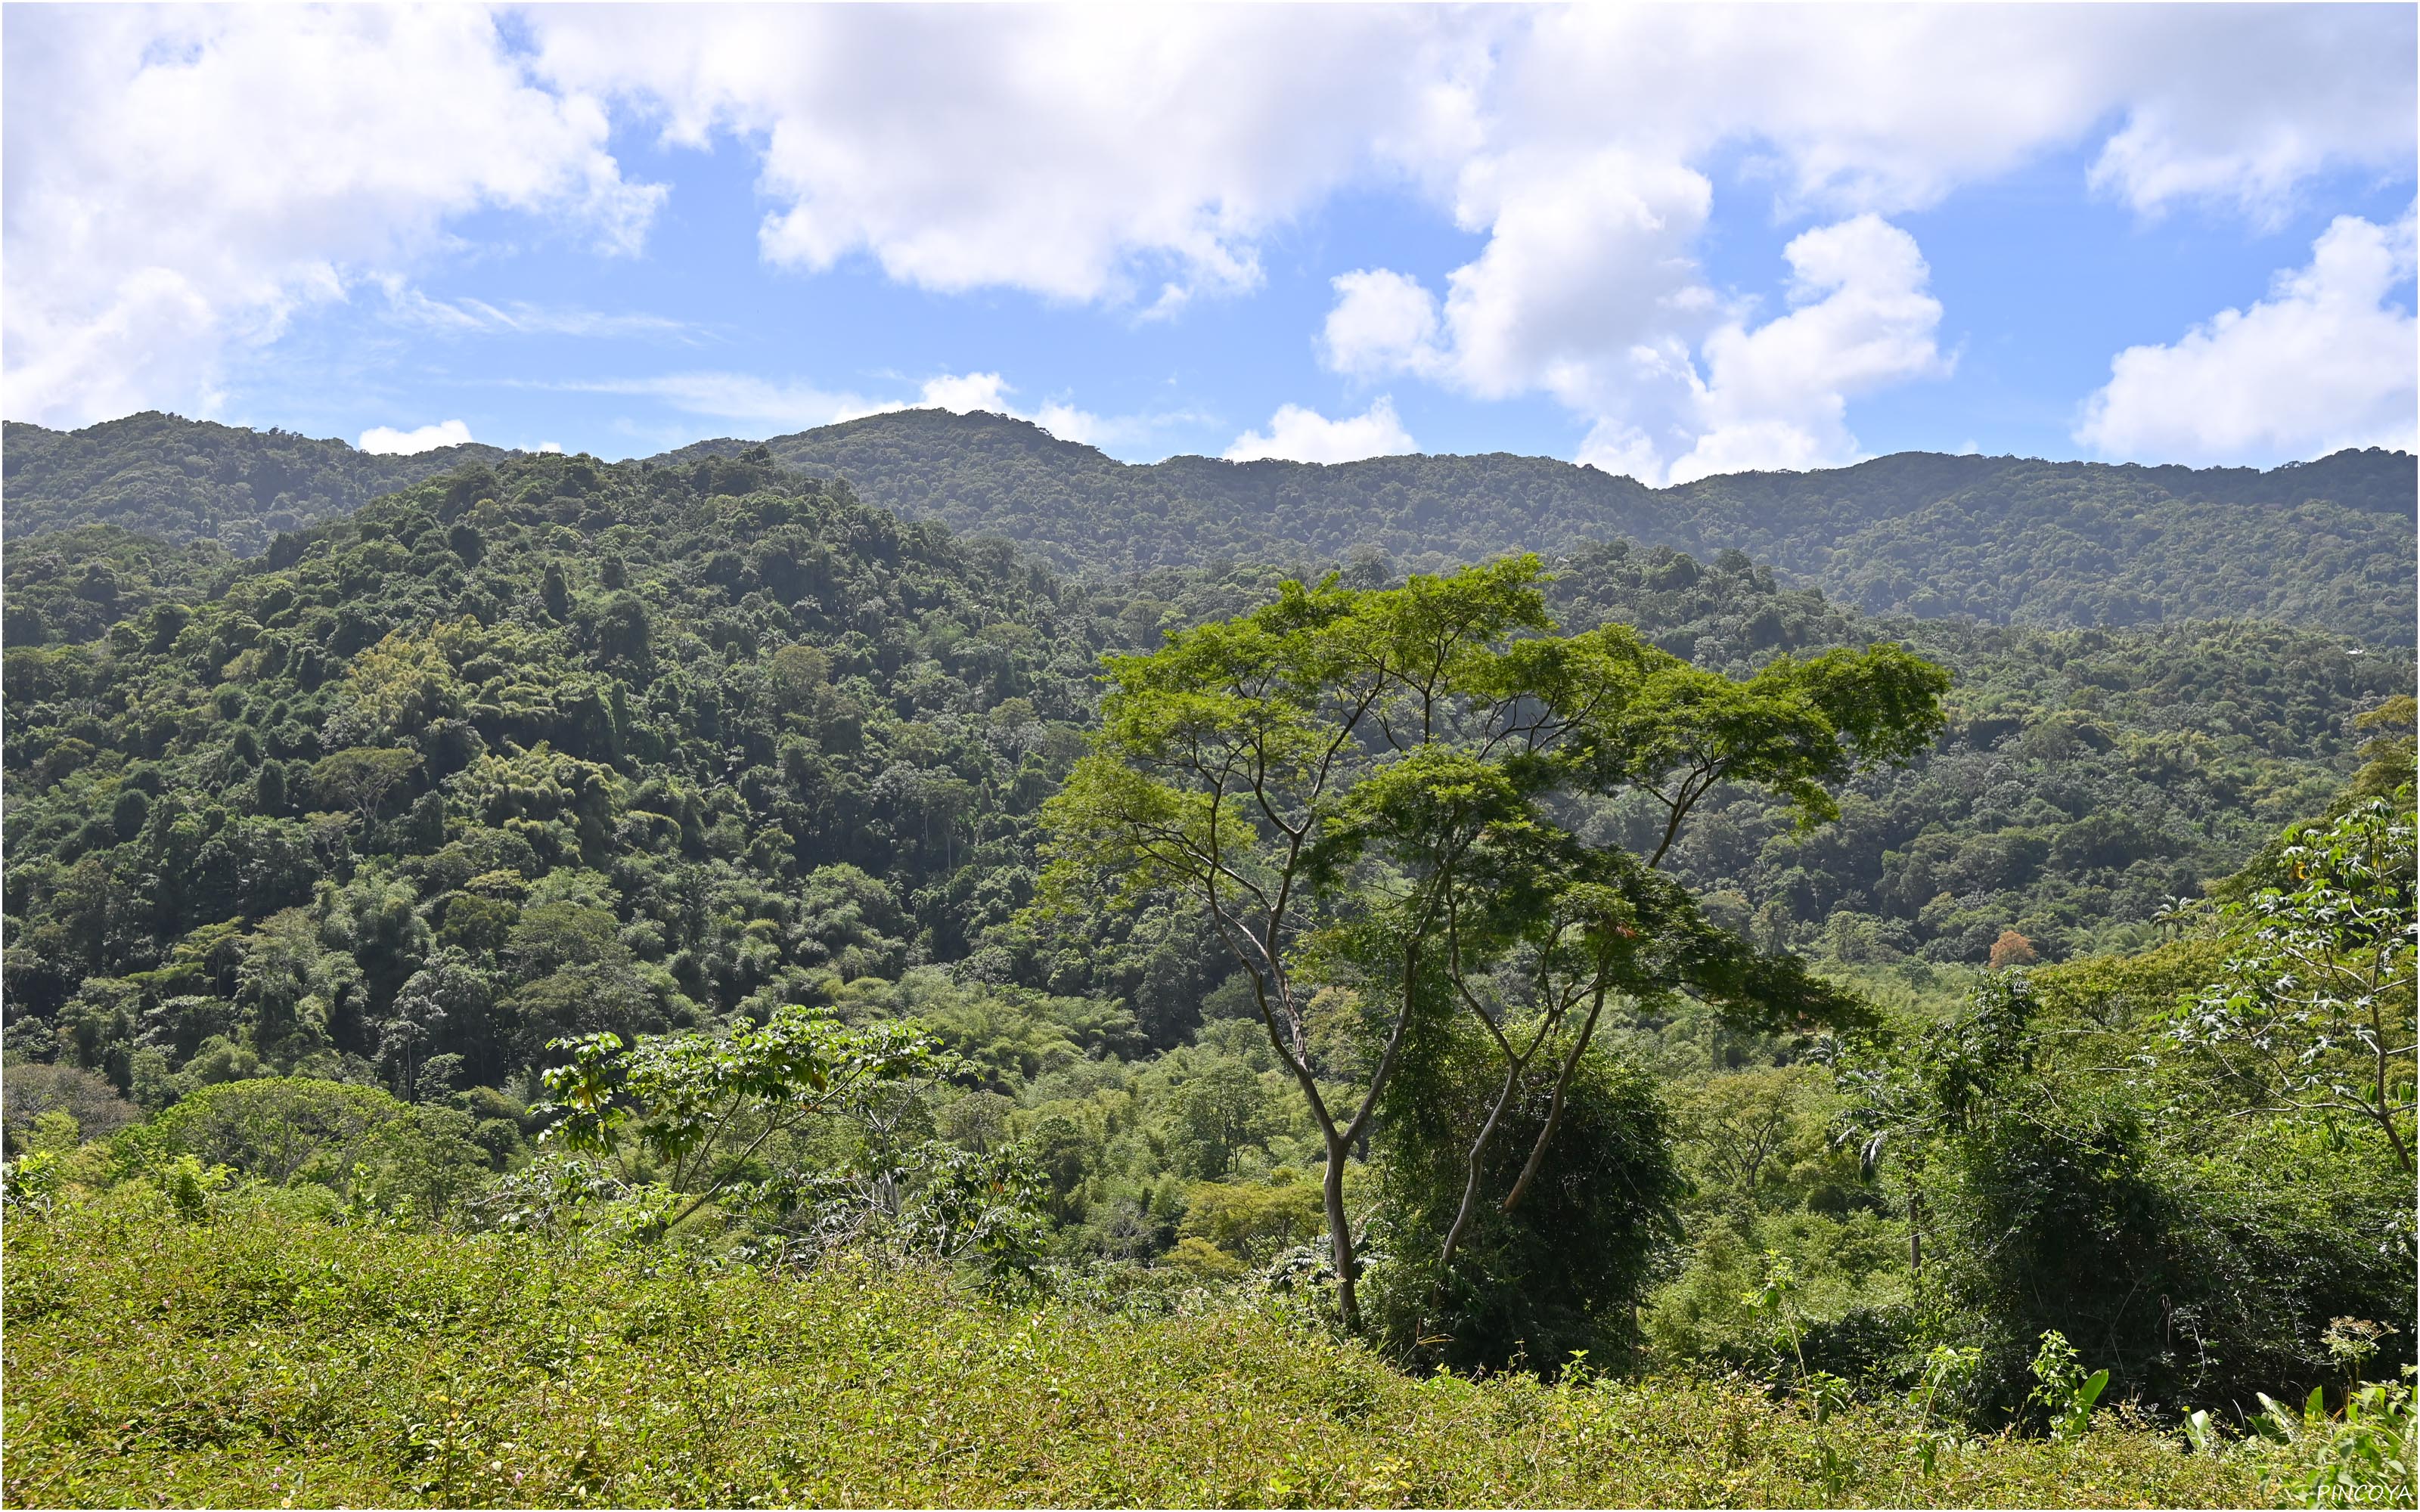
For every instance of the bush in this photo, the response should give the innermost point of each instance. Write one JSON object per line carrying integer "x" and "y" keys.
{"x": 29, "y": 1090}
{"x": 1852, "y": 1306}
{"x": 356, "y": 1141}
{"x": 1563, "y": 1272}
{"x": 2198, "y": 1278}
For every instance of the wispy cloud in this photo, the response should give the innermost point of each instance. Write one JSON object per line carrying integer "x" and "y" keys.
{"x": 739, "y": 397}
{"x": 470, "y": 316}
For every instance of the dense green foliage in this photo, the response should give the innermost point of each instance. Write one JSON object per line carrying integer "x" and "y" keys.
{"x": 566, "y": 917}
{"x": 247, "y": 1357}
{"x": 2329, "y": 544}
{"x": 782, "y": 749}
{"x": 184, "y": 480}
{"x": 1567, "y": 1271}
{"x": 567, "y": 747}
{"x": 70, "y": 587}
{"x": 615, "y": 750}
{"x": 2088, "y": 777}
{"x": 1358, "y": 790}
{"x": 2084, "y": 1148}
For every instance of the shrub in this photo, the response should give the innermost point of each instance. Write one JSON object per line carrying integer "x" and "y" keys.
{"x": 1562, "y": 1272}
{"x": 30, "y": 1091}
{"x": 356, "y": 1141}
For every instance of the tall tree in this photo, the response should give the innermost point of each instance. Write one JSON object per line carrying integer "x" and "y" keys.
{"x": 1364, "y": 780}
{"x": 1226, "y": 769}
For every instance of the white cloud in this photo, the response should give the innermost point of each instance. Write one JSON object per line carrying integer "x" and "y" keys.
{"x": 550, "y": 448}
{"x": 1383, "y": 322}
{"x": 182, "y": 181}
{"x": 1888, "y": 109}
{"x": 1133, "y": 154}
{"x": 1586, "y": 290}
{"x": 1558, "y": 306}
{"x": 1142, "y": 155}
{"x": 2255, "y": 100}
{"x": 1086, "y": 428}
{"x": 1587, "y": 265}
{"x": 964, "y": 393}
{"x": 1582, "y": 173}
{"x": 968, "y": 393}
{"x": 2326, "y": 361}
{"x": 1299, "y": 434}
{"x": 1776, "y": 396}
{"x": 386, "y": 438}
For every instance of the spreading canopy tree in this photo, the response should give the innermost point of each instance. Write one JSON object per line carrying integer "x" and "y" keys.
{"x": 1361, "y": 786}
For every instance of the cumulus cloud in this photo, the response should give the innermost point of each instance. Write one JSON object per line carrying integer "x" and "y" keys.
{"x": 1585, "y": 261}
{"x": 1539, "y": 310}
{"x": 1889, "y": 109}
{"x": 1299, "y": 434}
{"x": 1383, "y": 322}
{"x": 1587, "y": 290}
{"x": 2255, "y": 100}
{"x": 1132, "y": 154}
{"x": 1776, "y": 395}
{"x": 180, "y": 182}
{"x": 386, "y": 438}
{"x": 968, "y": 393}
{"x": 2326, "y": 361}
{"x": 1583, "y": 176}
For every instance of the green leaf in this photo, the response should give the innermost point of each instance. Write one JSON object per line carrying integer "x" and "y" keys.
{"x": 2090, "y": 1391}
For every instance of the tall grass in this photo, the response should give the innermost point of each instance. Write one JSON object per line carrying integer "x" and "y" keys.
{"x": 271, "y": 1358}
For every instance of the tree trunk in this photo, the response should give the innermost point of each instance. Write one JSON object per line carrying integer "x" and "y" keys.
{"x": 1452, "y": 1244}
{"x": 1340, "y": 1237}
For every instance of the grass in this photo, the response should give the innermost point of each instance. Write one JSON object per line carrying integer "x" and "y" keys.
{"x": 265, "y": 1358}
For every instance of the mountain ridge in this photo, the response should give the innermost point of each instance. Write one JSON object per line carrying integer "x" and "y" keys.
{"x": 2328, "y": 543}
{"x": 183, "y": 479}
{"x": 2004, "y": 539}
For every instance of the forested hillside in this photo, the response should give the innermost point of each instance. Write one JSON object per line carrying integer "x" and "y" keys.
{"x": 186, "y": 480}
{"x": 775, "y": 734}
{"x": 2086, "y": 778}
{"x": 2329, "y": 544}
{"x": 558, "y": 866}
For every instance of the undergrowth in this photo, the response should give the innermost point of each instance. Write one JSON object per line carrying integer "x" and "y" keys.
{"x": 254, "y": 1355}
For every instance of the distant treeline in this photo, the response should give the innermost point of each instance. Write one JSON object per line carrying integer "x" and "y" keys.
{"x": 2330, "y": 544}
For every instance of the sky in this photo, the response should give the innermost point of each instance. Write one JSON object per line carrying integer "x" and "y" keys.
{"x": 1667, "y": 240}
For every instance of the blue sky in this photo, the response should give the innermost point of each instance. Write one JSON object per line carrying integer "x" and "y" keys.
{"x": 1668, "y": 241}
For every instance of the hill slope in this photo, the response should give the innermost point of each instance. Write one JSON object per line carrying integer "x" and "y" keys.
{"x": 724, "y": 734}
{"x": 186, "y": 480}
{"x": 2329, "y": 543}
